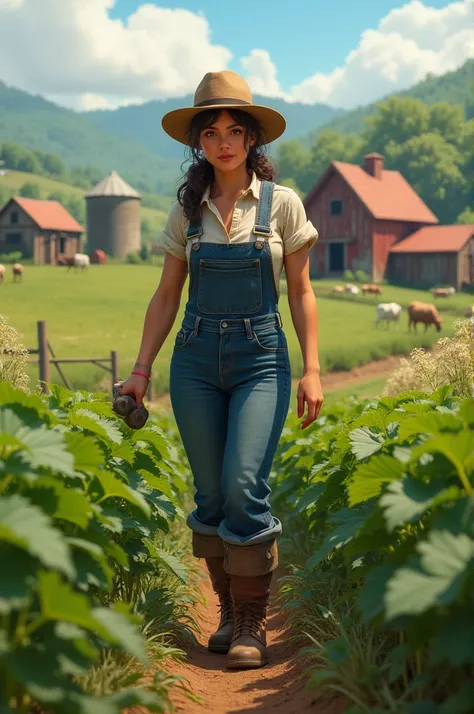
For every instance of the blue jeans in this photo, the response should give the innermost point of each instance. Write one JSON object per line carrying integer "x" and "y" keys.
{"x": 230, "y": 387}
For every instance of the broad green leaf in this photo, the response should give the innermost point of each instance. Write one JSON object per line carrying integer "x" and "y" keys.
{"x": 432, "y": 423}
{"x": 16, "y": 583}
{"x": 11, "y": 396}
{"x": 404, "y": 500}
{"x": 29, "y": 666}
{"x": 371, "y": 596}
{"x": 364, "y": 443}
{"x": 310, "y": 496}
{"x": 121, "y": 632}
{"x": 374, "y": 418}
{"x": 25, "y": 525}
{"x": 370, "y": 476}
{"x": 60, "y": 602}
{"x": 115, "y": 488}
{"x": 158, "y": 482}
{"x": 91, "y": 564}
{"x": 87, "y": 454}
{"x": 104, "y": 428}
{"x": 124, "y": 451}
{"x": 458, "y": 448}
{"x": 42, "y": 446}
{"x": 466, "y": 411}
{"x": 454, "y": 640}
{"x": 445, "y": 558}
{"x": 155, "y": 436}
{"x": 171, "y": 562}
{"x": 342, "y": 534}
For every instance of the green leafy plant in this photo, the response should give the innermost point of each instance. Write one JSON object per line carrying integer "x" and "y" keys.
{"x": 381, "y": 493}
{"x": 85, "y": 507}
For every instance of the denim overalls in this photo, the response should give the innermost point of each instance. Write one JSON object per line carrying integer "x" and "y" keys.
{"x": 230, "y": 382}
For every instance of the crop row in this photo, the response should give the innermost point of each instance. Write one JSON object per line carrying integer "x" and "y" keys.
{"x": 378, "y": 507}
{"x": 85, "y": 505}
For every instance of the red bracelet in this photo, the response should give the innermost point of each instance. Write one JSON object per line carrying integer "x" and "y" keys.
{"x": 141, "y": 374}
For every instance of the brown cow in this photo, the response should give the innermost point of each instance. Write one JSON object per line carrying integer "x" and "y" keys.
{"x": 424, "y": 313}
{"x": 17, "y": 272}
{"x": 3, "y": 270}
{"x": 372, "y": 289}
{"x": 338, "y": 289}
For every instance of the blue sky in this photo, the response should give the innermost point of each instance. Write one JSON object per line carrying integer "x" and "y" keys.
{"x": 302, "y": 36}
{"x": 117, "y": 52}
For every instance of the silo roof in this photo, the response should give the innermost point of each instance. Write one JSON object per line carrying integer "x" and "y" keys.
{"x": 113, "y": 185}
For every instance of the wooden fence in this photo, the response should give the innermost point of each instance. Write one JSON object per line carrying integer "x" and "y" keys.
{"x": 47, "y": 357}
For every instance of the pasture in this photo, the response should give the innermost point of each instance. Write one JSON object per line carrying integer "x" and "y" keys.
{"x": 91, "y": 313}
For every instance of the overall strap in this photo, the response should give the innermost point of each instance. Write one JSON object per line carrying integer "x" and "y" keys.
{"x": 194, "y": 230}
{"x": 264, "y": 209}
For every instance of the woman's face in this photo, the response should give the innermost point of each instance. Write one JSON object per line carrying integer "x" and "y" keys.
{"x": 223, "y": 143}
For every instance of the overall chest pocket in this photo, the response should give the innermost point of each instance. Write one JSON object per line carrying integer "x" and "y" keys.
{"x": 229, "y": 286}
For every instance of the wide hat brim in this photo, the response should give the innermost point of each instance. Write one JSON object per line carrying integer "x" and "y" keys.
{"x": 177, "y": 122}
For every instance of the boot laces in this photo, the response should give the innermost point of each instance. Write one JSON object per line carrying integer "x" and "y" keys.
{"x": 226, "y": 610}
{"x": 250, "y": 619}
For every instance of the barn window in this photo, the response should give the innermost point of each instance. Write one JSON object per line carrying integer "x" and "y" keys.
{"x": 335, "y": 208}
{"x": 14, "y": 217}
{"x": 13, "y": 239}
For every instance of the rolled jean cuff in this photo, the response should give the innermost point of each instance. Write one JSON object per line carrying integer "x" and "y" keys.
{"x": 197, "y": 526}
{"x": 272, "y": 531}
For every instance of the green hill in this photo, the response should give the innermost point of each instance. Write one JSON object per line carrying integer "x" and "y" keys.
{"x": 11, "y": 183}
{"x": 455, "y": 87}
{"x": 143, "y": 122}
{"x": 37, "y": 123}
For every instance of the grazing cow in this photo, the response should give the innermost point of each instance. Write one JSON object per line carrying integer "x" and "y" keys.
{"x": 424, "y": 313}
{"x": 443, "y": 292}
{"x": 3, "y": 270}
{"x": 82, "y": 261}
{"x": 17, "y": 272}
{"x": 63, "y": 259}
{"x": 388, "y": 311}
{"x": 469, "y": 313}
{"x": 372, "y": 289}
{"x": 338, "y": 289}
{"x": 352, "y": 289}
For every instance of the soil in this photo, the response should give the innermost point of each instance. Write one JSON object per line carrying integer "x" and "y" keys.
{"x": 277, "y": 688}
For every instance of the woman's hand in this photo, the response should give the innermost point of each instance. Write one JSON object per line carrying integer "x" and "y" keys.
{"x": 136, "y": 386}
{"x": 309, "y": 391}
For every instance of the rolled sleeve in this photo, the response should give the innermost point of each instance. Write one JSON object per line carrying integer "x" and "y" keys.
{"x": 172, "y": 237}
{"x": 297, "y": 230}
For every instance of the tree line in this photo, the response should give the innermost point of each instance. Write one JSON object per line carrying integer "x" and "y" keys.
{"x": 431, "y": 146}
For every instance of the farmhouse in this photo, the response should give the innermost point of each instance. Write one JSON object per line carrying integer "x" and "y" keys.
{"x": 39, "y": 229}
{"x": 373, "y": 220}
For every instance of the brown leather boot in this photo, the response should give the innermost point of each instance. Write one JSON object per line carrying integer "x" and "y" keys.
{"x": 212, "y": 549}
{"x": 221, "y": 639}
{"x": 251, "y": 569}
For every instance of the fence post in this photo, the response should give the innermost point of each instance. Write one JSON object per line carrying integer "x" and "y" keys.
{"x": 114, "y": 359}
{"x": 44, "y": 363}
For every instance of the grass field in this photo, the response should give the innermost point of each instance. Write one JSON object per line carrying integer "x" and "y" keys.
{"x": 92, "y": 313}
{"x": 14, "y": 180}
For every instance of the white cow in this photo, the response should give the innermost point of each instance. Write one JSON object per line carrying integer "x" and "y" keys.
{"x": 3, "y": 270}
{"x": 388, "y": 311}
{"x": 352, "y": 289}
{"x": 81, "y": 260}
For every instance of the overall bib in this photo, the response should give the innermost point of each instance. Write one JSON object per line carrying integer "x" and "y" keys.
{"x": 230, "y": 382}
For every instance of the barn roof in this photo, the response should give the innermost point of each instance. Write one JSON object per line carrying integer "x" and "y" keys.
{"x": 436, "y": 239}
{"x": 49, "y": 215}
{"x": 389, "y": 198}
{"x": 113, "y": 185}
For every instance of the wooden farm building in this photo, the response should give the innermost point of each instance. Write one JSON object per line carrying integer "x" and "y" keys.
{"x": 371, "y": 219}
{"x": 39, "y": 229}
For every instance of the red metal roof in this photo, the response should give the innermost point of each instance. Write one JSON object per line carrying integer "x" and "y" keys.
{"x": 388, "y": 198}
{"x": 49, "y": 215}
{"x": 436, "y": 239}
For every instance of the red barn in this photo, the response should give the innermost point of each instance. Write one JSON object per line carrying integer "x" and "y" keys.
{"x": 360, "y": 213}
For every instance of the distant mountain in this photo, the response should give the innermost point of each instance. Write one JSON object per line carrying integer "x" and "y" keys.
{"x": 143, "y": 122}
{"x": 455, "y": 87}
{"x": 37, "y": 123}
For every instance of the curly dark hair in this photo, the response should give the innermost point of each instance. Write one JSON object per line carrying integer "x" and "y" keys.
{"x": 201, "y": 173}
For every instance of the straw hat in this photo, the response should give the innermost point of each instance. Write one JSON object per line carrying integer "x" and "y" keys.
{"x": 223, "y": 90}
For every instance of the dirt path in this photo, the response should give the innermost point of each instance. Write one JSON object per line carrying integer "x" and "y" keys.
{"x": 277, "y": 688}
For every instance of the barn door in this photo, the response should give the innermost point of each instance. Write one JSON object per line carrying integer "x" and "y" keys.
{"x": 336, "y": 258}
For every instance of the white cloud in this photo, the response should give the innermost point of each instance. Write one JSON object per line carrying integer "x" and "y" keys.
{"x": 74, "y": 50}
{"x": 261, "y": 74}
{"x": 409, "y": 43}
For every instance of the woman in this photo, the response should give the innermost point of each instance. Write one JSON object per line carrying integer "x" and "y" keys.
{"x": 233, "y": 229}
